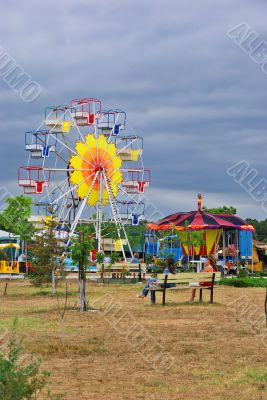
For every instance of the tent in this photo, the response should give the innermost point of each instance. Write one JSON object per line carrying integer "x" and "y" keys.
{"x": 213, "y": 226}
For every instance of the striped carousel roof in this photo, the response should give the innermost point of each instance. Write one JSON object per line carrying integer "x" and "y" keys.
{"x": 201, "y": 220}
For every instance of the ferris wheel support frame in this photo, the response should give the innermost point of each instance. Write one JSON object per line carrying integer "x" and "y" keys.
{"x": 117, "y": 218}
{"x": 79, "y": 213}
{"x": 99, "y": 211}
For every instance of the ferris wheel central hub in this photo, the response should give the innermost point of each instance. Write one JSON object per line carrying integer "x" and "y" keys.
{"x": 96, "y": 158}
{"x": 99, "y": 168}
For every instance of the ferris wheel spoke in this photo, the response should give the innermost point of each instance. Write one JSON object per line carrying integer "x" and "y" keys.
{"x": 74, "y": 187}
{"x": 52, "y": 190}
{"x": 108, "y": 142}
{"x": 118, "y": 152}
{"x": 83, "y": 204}
{"x": 127, "y": 145}
{"x": 65, "y": 218}
{"x": 63, "y": 205}
{"x": 84, "y": 141}
{"x": 72, "y": 151}
{"x": 122, "y": 190}
{"x": 127, "y": 198}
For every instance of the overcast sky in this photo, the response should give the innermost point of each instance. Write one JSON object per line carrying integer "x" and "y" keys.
{"x": 198, "y": 100}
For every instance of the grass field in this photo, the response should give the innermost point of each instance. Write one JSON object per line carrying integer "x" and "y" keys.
{"x": 215, "y": 351}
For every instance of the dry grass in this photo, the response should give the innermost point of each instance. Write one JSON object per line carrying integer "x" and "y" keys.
{"x": 217, "y": 355}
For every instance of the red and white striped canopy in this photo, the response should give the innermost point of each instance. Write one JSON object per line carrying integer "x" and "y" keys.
{"x": 201, "y": 220}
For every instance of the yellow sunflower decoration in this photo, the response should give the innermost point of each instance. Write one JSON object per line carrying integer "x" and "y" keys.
{"x": 95, "y": 156}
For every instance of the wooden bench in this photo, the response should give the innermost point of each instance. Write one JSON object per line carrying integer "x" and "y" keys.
{"x": 117, "y": 271}
{"x": 184, "y": 281}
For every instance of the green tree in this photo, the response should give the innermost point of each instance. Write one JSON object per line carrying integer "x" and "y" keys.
{"x": 47, "y": 250}
{"x": 80, "y": 250}
{"x": 15, "y": 216}
{"x": 221, "y": 210}
{"x": 109, "y": 229}
{"x": 100, "y": 256}
{"x": 260, "y": 229}
{"x": 19, "y": 380}
{"x": 191, "y": 238}
{"x": 136, "y": 234}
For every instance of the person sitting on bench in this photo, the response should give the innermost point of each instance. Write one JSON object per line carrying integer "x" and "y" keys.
{"x": 135, "y": 259}
{"x": 209, "y": 266}
{"x": 170, "y": 269}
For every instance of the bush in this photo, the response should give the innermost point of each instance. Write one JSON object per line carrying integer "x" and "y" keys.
{"x": 19, "y": 380}
{"x": 260, "y": 273}
{"x": 246, "y": 281}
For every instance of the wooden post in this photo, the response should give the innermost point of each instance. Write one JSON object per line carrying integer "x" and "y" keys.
{"x": 164, "y": 291}
{"x": 265, "y": 306}
{"x": 140, "y": 273}
{"x": 211, "y": 289}
{"x": 223, "y": 245}
{"x": 201, "y": 295}
{"x": 5, "y": 290}
{"x": 252, "y": 265}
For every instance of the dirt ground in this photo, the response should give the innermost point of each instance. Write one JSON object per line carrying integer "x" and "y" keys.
{"x": 128, "y": 349}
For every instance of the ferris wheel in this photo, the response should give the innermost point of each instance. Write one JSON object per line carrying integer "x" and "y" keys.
{"x": 85, "y": 164}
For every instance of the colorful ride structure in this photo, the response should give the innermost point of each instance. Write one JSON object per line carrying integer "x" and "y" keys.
{"x": 11, "y": 264}
{"x": 84, "y": 164}
{"x": 227, "y": 236}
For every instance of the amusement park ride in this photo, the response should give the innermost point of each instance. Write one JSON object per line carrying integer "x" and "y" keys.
{"x": 83, "y": 164}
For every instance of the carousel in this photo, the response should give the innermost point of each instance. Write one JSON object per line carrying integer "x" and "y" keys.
{"x": 227, "y": 236}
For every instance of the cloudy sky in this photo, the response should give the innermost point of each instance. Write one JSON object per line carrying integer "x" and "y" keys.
{"x": 197, "y": 98}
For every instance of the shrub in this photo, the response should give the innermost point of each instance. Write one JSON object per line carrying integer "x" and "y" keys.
{"x": 244, "y": 281}
{"x": 19, "y": 379}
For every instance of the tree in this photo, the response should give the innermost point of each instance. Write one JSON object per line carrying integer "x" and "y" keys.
{"x": 15, "y": 218}
{"x": 136, "y": 234}
{"x": 261, "y": 229}
{"x": 191, "y": 238}
{"x": 46, "y": 250}
{"x": 221, "y": 210}
{"x": 80, "y": 250}
{"x": 19, "y": 380}
{"x": 100, "y": 256}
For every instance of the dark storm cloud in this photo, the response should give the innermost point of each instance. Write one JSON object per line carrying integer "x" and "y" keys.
{"x": 198, "y": 100}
